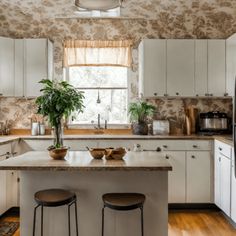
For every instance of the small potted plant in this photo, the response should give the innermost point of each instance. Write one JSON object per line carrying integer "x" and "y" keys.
{"x": 58, "y": 101}
{"x": 139, "y": 113}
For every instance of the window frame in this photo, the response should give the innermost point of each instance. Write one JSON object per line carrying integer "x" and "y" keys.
{"x": 66, "y": 76}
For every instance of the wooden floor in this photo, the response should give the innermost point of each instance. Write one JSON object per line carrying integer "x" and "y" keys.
{"x": 13, "y": 219}
{"x": 189, "y": 223}
{"x": 199, "y": 223}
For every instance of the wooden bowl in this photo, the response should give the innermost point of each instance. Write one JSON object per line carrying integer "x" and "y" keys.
{"x": 108, "y": 153}
{"x": 97, "y": 153}
{"x": 58, "y": 153}
{"x": 118, "y": 154}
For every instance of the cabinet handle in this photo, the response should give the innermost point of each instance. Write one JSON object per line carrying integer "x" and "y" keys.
{"x": 155, "y": 94}
{"x": 219, "y": 159}
{"x": 165, "y": 146}
{"x": 195, "y": 146}
{"x": 158, "y": 149}
{"x": 166, "y": 95}
{"x": 206, "y": 94}
{"x": 18, "y": 180}
{"x": 14, "y": 153}
{"x": 197, "y": 95}
{"x": 193, "y": 156}
{"x": 211, "y": 94}
{"x": 226, "y": 94}
{"x": 167, "y": 157}
{"x": 220, "y": 148}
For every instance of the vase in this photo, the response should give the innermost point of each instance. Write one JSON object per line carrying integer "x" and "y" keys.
{"x": 58, "y": 140}
{"x": 140, "y": 129}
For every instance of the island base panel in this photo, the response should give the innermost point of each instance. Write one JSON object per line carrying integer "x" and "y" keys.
{"x": 89, "y": 187}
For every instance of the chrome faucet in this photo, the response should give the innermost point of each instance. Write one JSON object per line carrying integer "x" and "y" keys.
{"x": 99, "y": 123}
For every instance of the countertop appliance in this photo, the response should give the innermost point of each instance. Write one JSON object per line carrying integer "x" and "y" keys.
{"x": 214, "y": 122}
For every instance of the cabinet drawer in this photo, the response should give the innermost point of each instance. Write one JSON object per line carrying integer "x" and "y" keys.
{"x": 223, "y": 148}
{"x": 5, "y": 148}
{"x": 198, "y": 145}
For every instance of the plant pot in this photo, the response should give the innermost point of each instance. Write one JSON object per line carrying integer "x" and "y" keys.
{"x": 58, "y": 153}
{"x": 140, "y": 129}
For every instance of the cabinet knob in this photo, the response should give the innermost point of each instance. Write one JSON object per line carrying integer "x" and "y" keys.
{"x": 211, "y": 94}
{"x": 197, "y": 95}
{"x": 166, "y": 95}
{"x": 195, "y": 146}
{"x": 206, "y": 94}
{"x": 155, "y": 94}
{"x": 167, "y": 157}
{"x": 220, "y": 148}
{"x": 177, "y": 94}
{"x": 158, "y": 149}
{"x": 226, "y": 94}
{"x": 165, "y": 146}
{"x": 193, "y": 156}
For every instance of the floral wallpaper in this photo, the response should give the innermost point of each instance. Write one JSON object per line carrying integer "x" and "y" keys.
{"x": 57, "y": 20}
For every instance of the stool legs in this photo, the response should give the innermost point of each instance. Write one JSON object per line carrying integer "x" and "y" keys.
{"x": 142, "y": 227}
{"x": 69, "y": 205}
{"x": 35, "y": 209}
{"x": 103, "y": 220}
{"x": 141, "y": 209}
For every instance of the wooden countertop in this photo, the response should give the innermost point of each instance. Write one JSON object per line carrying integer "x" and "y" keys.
{"x": 82, "y": 161}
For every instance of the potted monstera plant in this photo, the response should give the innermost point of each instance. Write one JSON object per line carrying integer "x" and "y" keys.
{"x": 58, "y": 101}
{"x": 139, "y": 113}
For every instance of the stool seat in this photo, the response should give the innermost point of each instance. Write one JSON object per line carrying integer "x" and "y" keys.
{"x": 54, "y": 197}
{"x": 123, "y": 201}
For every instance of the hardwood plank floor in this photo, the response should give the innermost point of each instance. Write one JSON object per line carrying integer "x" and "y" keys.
{"x": 199, "y": 223}
{"x": 188, "y": 223}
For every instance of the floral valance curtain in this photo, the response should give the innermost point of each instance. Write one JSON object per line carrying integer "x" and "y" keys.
{"x": 97, "y": 53}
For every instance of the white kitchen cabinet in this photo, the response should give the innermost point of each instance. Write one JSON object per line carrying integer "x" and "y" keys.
{"x": 180, "y": 67}
{"x": 198, "y": 186}
{"x": 176, "y": 178}
{"x": 222, "y": 177}
{"x": 6, "y": 66}
{"x": 152, "y": 67}
{"x": 3, "y": 189}
{"x": 201, "y": 84}
{"x": 216, "y": 67}
{"x": 230, "y": 64}
{"x": 233, "y": 189}
{"x": 12, "y": 180}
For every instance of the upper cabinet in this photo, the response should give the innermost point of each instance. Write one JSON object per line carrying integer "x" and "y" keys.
{"x": 28, "y": 62}
{"x": 180, "y": 67}
{"x": 230, "y": 64}
{"x": 6, "y": 66}
{"x": 152, "y": 67}
{"x": 216, "y": 68}
{"x": 193, "y": 68}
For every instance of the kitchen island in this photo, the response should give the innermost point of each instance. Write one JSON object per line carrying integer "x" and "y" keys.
{"x": 144, "y": 172}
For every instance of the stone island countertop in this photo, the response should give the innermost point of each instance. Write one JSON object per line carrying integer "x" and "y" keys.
{"x": 82, "y": 161}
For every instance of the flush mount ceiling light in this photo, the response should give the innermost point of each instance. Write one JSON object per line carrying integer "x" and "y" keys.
{"x": 100, "y": 5}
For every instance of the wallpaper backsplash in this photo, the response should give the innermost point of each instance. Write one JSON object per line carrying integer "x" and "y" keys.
{"x": 168, "y": 19}
{"x": 18, "y": 110}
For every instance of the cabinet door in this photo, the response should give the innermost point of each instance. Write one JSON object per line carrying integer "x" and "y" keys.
{"x": 19, "y": 67}
{"x": 225, "y": 179}
{"x": 36, "y": 65}
{"x": 3, "y": 195}
{"x": 176, "y": 177}
{"x": 7, "y": 66}
{"x": 233, "y": 190}
{"x": 230, "y": 65}
{"x": 198, "y": 177}
{"x": 217, "y": 178}
{"x": 180, "y": 67}
{"x": 152, "y": 67}
{"x": 216, "y": 67}
{"x": 201, "y": 67}
{"x": 12, "y": 189}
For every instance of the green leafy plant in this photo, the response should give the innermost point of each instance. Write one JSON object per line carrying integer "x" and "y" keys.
{"x": 140, "y": 111}
{"x": 58, "y": 101}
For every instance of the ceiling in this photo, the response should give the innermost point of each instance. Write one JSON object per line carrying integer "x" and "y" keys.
{"x": 149, "y": 9}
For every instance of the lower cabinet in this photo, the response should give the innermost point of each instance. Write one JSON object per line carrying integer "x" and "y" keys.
{"x": 3, "y": 190}
{"x": 198, "y": 177}
{"x": 233, "y": 190}
{"x": 12, "y": 180}
{"x": 222, "y": 179}
{"x": 176, "y": 178}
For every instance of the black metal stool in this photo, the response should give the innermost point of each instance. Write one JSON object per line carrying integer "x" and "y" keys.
{"x": 55, "y": 198}
{"x": 123, "y": 202}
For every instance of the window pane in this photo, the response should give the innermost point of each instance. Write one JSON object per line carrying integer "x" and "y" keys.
{"x": 113, "y": 107}
{"x": 100, "y": 76}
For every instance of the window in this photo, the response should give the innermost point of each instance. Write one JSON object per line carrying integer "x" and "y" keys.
{"x": 100, "y": 69}
{"x": 98, "y": 13}
{"x": 106, "y": 93}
